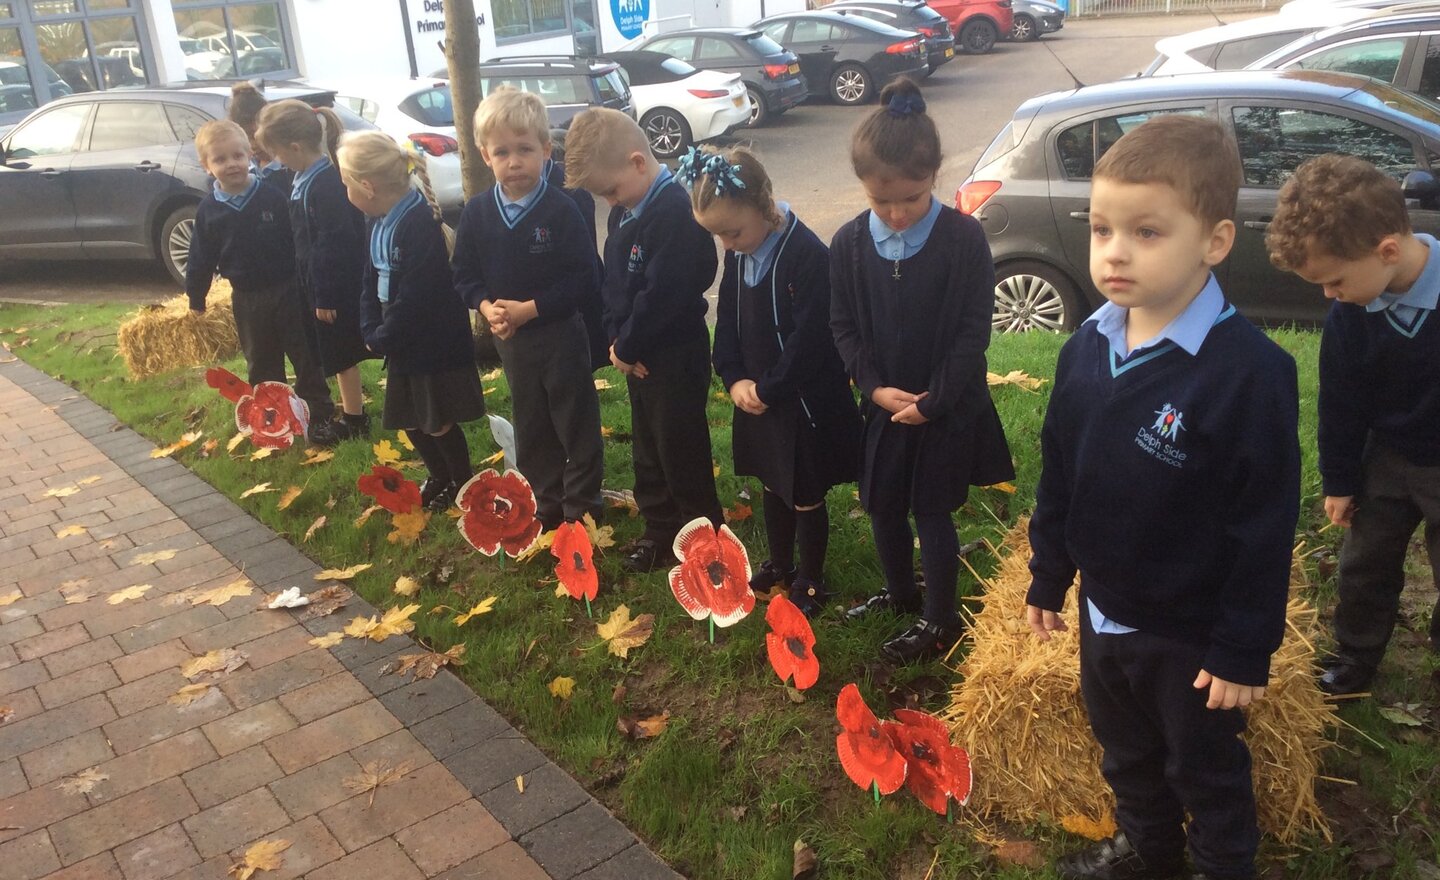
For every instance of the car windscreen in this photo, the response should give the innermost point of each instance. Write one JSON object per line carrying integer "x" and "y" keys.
{"x": 764, "y": 45}
{"x": 552, "y": 89}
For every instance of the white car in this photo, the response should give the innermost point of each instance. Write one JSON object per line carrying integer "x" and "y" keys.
{"x": 1233, "y": 46}
{"x": 418, "y": 111}
{"x": 677, "y": 105}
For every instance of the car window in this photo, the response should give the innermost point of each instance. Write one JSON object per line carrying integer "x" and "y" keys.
{"x": 676, "y": 68}
{"x": 123, "y": 125}
{"x": 551, "y": 89}
{"x": 776, "y": 31}
{"x": 185, "y": 121}
{"x": 50, "y": 133}
{"x": 764, "y": 45}
{"x": 713, "y": 49}
{"x": 1237, "y": 54}
{"x": 1274, "y": 141}
{"x": 1430, "y": 72}
{"x": 431, "y": 106}
{"x": 808, "y": 30}
{"x": 1081, "y": 146}
{"x": 612, "y": 87}
{"x": 680, "y": 47}
{"x": 1377, "y": 58}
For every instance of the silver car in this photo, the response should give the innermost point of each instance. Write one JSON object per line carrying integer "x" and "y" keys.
{"x": 1034, "y": 19}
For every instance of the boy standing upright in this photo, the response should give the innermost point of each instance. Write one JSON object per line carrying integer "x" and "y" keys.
{"x": 1342, "y": 224}
{"x": 658, "y": 264}
{"x": 1171, "y": 482}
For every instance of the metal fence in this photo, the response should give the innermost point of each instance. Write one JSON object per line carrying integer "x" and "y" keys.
{"x": 1079, "y": 8}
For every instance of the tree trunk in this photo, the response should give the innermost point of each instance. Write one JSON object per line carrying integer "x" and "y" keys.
{"x": 462, "y": 57}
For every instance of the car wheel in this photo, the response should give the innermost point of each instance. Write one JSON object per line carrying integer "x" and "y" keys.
{"x": 1034, "y": 296}
{"x": 978, "y": 37}
{"x": 175, "y": 235}
{"x": 758, "y": 114}
{"x": 1024, "y": 29}
{"x": 667, "y": 132}
{"x": 850, "y": 84}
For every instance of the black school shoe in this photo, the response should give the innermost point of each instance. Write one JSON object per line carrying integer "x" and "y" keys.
{"x": 1343, "y": 676}
{"x": 646, "y": 555}
{"x": 443, "y": 498}
{"x": 922, "y": 641}
{"x": 1114, "y": 859}
{"x": 769, "y": 576}
{"x": 883, "y": 602}
{"x": 809, "y": 596}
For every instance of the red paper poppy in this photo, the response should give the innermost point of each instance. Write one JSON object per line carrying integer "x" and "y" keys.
{"x": 272, "y": 415}
{"x": 937, "y": 770}
{"x": 390, "y": 489}
{"x": 791, "y": 643}
{"x": 713, "y": 577}
{"x": 576, "y": 565}
{"x": 498, "y": 511}
{"x": 230, "y": 386}
{"x": 866, "y": 753}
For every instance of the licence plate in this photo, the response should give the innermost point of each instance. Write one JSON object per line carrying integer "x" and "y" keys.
{"x": 950, "y": 52}
{"x": 794, "y": 68}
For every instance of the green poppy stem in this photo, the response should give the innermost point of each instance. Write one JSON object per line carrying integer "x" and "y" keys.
{"x": 712, "y": 630}
{"x": 949, "y": 811}
{"x": 875, "y": 787}
{"x": 587, "y": 607}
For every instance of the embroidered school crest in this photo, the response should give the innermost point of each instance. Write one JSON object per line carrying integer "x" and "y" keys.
{"x": 1161, "y": 439}
{"x": 267, "y": 217}
{"x": 395, "y": 255}
{"x": 1169, "y": 422}
{"x": 637, "y": 259}
{"x": 541, "y": 240}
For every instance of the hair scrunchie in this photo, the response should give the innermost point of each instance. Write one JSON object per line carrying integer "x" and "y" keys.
{"x": 906, "y": 104}
{"x": 690, "y": 167}
{"x": 696, "y": 164}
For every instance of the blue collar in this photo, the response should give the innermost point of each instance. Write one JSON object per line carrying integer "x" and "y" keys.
{"x": 758, "y": 262}
{"x": 303, "y": 179}
{"x": 661, "y": 179}
{"x": 894, "y": 245}
{"x": 526, "y": 202}
{"x": 237, "y": 200}
{"x": 1187, "y": 330}
{"x": 383, "y": 255}
{"x": 264, "y": 171}
{"x": 1423, "y": 294}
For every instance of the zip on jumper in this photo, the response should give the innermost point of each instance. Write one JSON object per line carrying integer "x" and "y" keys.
{"x": 775, "y": 299}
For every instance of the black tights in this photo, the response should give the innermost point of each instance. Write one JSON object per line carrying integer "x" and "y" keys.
{"x": 784, "y": 525}
{"x": 939, "y": 558}
{"x": 446, "y": 455}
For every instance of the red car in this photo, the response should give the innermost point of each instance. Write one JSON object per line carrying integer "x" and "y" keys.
{"x": 977, "y": 24}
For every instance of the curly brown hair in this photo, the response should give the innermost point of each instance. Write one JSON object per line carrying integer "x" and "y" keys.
{"x": 1193, "y": 155}
{"x": 1335, "y": 205}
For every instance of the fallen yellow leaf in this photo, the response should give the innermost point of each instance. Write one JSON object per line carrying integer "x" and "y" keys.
{"x": 77, "y": 582}
{"x": 406, "y": 586}
{"x": 1019, "y": 378}
{"x": 1087, "y": 827}
{"x": 220, "y": 595}
{"x": 83, "y": 782}
{"x": 406, "y": 527}
{"x": 153, "y": 557}
{"x": 494, "y": 459}
{"x": 562, "y": 687}
{"x": 11, "y": 598}
{"x": 71, "y": 531}
{"x": 643, "y": 728}
{"x": 76, "y": 598}
{"x": 375, "y": 774}
{"x": 739, "y": 513}
{"x": 520, "y": 784}
{"x": 485, "y": 606}
{"x": 185, "y": 440}
{"x": 315, "y": 526}
{"x": 493, "y": 374}
{"x": 64, "y": 492}
{"x": 219, "y": 660}
{"x": 1007, "y": 488}
{"x": 385, "y": 453}
{"x": 623, "y": 633}
{"x": 603, "y": 385}
{"x": 541, "y": 543}
{"x": 395, "y": 621}
{"x": 316, "y": 455}
{"x": 404, "y": 438}
{"x": 262, "y": 856}
{"x": 288, "y": 497}
{"x": 262, "y": 452}
{"x": 342, "y": 574}
{"x": 234, "y": 442}
{"x": 425, "y": 664}
{"x": 190, "y": 693}
{"x": 365, "y": 517}
{"x": 127, "y": 594}
{"x": 600, "y": 536}
{"x": 87, "y": 481}
{"x": 256, "y": 489}
{"x": 329, "y": 640}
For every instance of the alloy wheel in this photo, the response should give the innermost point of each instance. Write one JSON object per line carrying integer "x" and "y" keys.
{"x": 1027, "y": 302}
{"x": 850, "y": 86}
{"x": 178, "y": 246}
{"x": 665, "y": 135}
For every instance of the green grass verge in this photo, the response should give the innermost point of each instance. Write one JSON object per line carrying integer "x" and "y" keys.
{"x": 742, "y": 771}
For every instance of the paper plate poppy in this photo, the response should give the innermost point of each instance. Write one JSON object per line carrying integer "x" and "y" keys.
{"x": 272, "y": 415}
{"x": 230, "y": 386}
{"x": 866, "y": 753}
{"x": 937, "y": 770}
{"x": 791, "y": 643}
{"x": 498, "y": 512}
{"x": 575, "y": 565}
{"x": 713, "y": 577}
{"x": 390, "y": 489}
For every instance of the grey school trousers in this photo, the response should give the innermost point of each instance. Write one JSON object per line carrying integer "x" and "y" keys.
{"x": 270, "y": 323}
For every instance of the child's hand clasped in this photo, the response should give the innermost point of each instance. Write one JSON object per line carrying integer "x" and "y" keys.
{"x": 325, "y": 315}
{"x": 896, "y": 400}
{"x": 747, "y": 398}
{"x": 1340, "y": 509}
{"x": 1043, "y": 622}
{"x": 1227, "y": 694}
{"x": 636, "y": 370}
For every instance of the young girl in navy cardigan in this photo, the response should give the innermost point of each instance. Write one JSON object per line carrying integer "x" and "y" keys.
{"x": 410, "y": 312}
{"x": 795, "y": 425}
{"x": 913, "y": 292}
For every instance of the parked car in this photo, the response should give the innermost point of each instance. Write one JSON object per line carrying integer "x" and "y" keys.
{"x": 1400, "y": 49}
{"x": 1233, "y": 46}
{"x": 1030, "y": 189}
{"x": 566, "y": 83}
{"x": 907, "y": 15}
{"x": 114, "y": 174}
{"x": 1035, "y": 18}
{"x": 849, "y": 59}
{"x": 418, "y": 111}
{"x": 1305, "y": 7}
{"x": 977, "y": 24}
{"x": 770, "y": 72}
{"x": 679, "y": 105}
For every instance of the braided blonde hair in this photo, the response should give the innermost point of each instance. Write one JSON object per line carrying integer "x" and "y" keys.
{"x": 376, "y": 157}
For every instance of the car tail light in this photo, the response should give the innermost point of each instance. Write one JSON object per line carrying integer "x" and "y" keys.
{"x": 926, "y": 32}
{"x": 909, "y": 47}
{"x": 435, "y": 144}
{"x": 777, "y": 71}
{"x": 975, "y": 193}
{"x": 709, "y": 93}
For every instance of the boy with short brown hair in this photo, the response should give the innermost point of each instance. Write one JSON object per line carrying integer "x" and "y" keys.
{"x": 1342, "y": 224}
{"x": 1171, "y": 482}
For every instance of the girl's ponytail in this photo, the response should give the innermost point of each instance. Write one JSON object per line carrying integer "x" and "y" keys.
{"x": 422, "y": 174}
{"x": 295, "y": 122}
{"x": 376, "y": 157}
{"x": 330, "y": 130}
{"x": 898, "y": 138}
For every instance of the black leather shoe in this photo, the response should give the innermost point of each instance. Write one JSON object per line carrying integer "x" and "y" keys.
{"x": 1343, "y": 676}
{"x": 769, "y": 576}
{"x": 646, "y": 555}
{"x": 922, "y": 641}
{"x": 431, "y": 489}
{"x": 444, "y": 497}
{"x": 809, "y": 596}
{"x": 883, "y": 602}
{"x": 1114, "y": 859}
{"x": 323, "y": 433}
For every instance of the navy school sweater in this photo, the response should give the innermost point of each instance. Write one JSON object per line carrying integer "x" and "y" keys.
{"x": 1380, "y": 379}
{"x": 657, "y": 269}
{"x": 331, "y": 248}
{"x": 1173, "y": 483}
{"x": 545, "y": 255}
{"x": 252, "y": 248}
{"x": 425, "y": 328}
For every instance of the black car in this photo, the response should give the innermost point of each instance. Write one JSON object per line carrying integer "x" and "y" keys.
{"x": 567, "y": 84}
{"x": 1030, "y": 189}
{"x": 847, "y": 57}
{"x": 771, "y": 73}
{"x": 1399, "y": 49}
{"x": 907, "y": 15}
{"x": 113, "y": 174}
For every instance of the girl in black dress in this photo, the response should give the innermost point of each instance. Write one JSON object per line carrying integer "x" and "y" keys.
{"x": 913, "y": 292}
{"x": 795, "y": 425}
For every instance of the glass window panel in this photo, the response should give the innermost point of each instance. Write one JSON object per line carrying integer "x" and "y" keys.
{"x": 16, "y": 92}
{"x": 1273, "y": 141}
{"x": 776, "y": 31}
{"x": 7, "y": 10}
{"x": 49, "y": 133}
{"x": 63, "y": 48}
{"x": 1077, "y": 150}
{"x": 1239, "y": 53}
{"x": 117, "y": 52}
{"x": 122, "y": 125}
{"x": 1377, "y": 58}
{"x": 1430, "y": 73}
{"x": 185, "y": 121}
{"x": 680, "y": 47}
{"x": 512, "y": 18}
{"x": 106, "y": 5}
{"x": 42, "y": 8}
{"x": 204, "y": 41}
{"x": 712, "y": 49}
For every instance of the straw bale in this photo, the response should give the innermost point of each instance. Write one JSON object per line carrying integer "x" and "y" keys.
{"x": 1017, "y": 709}
{"x": 166, "y": 336}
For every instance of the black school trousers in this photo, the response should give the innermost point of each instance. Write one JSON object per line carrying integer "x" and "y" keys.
{"x": 270, "y": 322}
{"x": 1166, "y": 754}
{"x": 674, "y": 479}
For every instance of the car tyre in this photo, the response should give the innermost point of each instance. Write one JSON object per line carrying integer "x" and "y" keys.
{"x": 667, "y": 131}
{"x": 1035, "y": 296}
{"x": 850, "y": 85}
{"x": 174, "y": 241}
{"x": 759, "y": 113}
{"x": 978, "y": 37}
{"x": 1024, "y": 29}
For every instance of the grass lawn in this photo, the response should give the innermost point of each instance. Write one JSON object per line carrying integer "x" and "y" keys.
{"x": 742, "y": 771}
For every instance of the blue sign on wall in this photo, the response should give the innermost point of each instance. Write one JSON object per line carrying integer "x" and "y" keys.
{"x": 630, "y": 16}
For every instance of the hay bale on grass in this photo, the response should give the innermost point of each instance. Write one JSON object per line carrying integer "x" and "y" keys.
{"x": 1017, "y": 709}
{"x": 166, "y": 336}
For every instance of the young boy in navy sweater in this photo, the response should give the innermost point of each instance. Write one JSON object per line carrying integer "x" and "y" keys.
{"x": 1342, "y": 224}
{"x": 242, "y": 231}
{"x": 525, "y": 260}
{"x": 1171, "y": 481}
{"x": 658, "y": 264}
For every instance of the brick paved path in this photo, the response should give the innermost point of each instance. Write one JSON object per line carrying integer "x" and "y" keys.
{"x": 265, "y": 754}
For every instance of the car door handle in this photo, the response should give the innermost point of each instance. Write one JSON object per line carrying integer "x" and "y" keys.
{"x": 148, "y": 166}
{"x": 49, "y": 172}
{"x": 827, "y": 48}
{"x": 1261, "y": 225}
{"x": 1082, "y": 216}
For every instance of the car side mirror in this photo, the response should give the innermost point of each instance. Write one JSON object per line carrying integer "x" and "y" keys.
{"x": 1421, "y": 188}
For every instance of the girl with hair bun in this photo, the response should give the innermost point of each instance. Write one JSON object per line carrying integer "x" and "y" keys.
{"x": 246, "y": 102}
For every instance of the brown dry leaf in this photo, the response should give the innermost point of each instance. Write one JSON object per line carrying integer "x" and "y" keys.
{"x": 88, "y": 481}
{"x": 342, "y": 574}
{"x": 329, "y": 640}
{"x": 643, "y": 728}
{"x": 316, "y": 455}
{"x": 262, "y": 452}
{"x": 75, "y": 583}
{"x": 739, "y": 513}
{"x": 406, "y": 586}
{"x": 617, "y": 696}
{"x": 152, "y": 558}
{"x": 623, "y": 633}
{"x": 330, "y": 503}
{"x": 257, "y": 489}
{"x": 376, "y": 774}
{"x": 426, "y": 663}
{"x": 805, "y": 865}
{"x": 607, "y": 431}
{"x": 562, "y": 687}
{"x": 185, "y": 440}
{"x": 395, "y": 621}
{"x": 6, "y": 713}
{"x": 234, "y": 442}
{"x": 288, "y": 497}
{"x": 328, "y": 600}
{"x": 1087, "y": 827}
{"x": 76, "y": 598}
{"x": 315, "y": 526}
{"x": 520, "y": 783}
{"x": 190, "y": 693}
{"x": 127, "y": 594}
{"x": 217, "y": 662}
{"x": 407, "y": 527}
{"x": 83, "y": 782}
{"x": 484, "y": 606}
{"x": 370, "y": 511}
{"x": 1019, "y": 853}
{"x": 1018, "y": 378}
{"x": 71, "y": 531}
{"x": 621, "y": 498}
{"x": 62, "y": 492}
{"x": 220, "y": 595}
{"x": 208, "y": 447}
{"x": 262, "y": 856}
{"x": 11, "y": 598}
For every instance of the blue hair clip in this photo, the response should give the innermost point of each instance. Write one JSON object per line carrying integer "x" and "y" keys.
{"x": 725, "y": 175}
{"x": 906, "y": 104}
{"x": 691, "y": 166}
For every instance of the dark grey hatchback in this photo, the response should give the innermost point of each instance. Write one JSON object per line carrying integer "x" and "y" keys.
{"x": 1030, "y": 189}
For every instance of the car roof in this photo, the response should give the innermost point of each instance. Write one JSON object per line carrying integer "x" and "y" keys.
{"x": 575, "y": 63}
{"x": 273, "y": 91}
{"x": 708, "y": 31}
{"x": 1386, "y": 24}
{"x": 853, "y": 21}
{"x": 1321, "y": 17}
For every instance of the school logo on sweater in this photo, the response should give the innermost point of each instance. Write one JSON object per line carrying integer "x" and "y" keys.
{"x": 637, "y": 259}
{"x": 541, "y": 240}
{"x": 267, "y": 217}
{"x": 1162, "y": 439}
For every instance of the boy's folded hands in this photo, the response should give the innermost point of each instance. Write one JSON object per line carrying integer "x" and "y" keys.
{"x": 747, "y": 398}
{"x": 1227, "y": 694}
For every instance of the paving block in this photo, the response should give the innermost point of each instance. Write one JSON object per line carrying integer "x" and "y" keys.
{"x": 249, "y": 687}
{"x": 225, "y": 826}
{"x": 12, "y": 778}
{"x": 28, "y": 857}
{"x": 164, "y": 721}
{"x": 21, "y": 676}
{"x": 158, "y": 855}
{"x": 102, "y": 867}
{"x": 120, "y": 821}
{"x": 180, "y": 624}
{"x": 549, "y": 793}
{"x": 37, "y": 808}
{"x": 19, "y": 737}
{"x": 230, "y": 633}
{"x": 381, "y": 859}
{"x": 324, "y": 697}
{"x": 494, "y": 761}
{"x": 230, "y": 777}
{"x": 248, "y": 727}
{"x": 577, "y": 841}
{"x": 83, "y": 683}
{"x": 360, "y": 821}
{"x": 312, "y": 789}
{"x": 331, "y": 735}
{"x": 45, "y": 765}
{"x": 311, "y": 847}
{"x": 167, "y": 655}
{"x": 635, "y": 863}
{"x": 52, "y": 641}
{"x": 286, "y": 642}
{"x": 507, "y": 860}
{"x": 148, "y": 692}
{"x": 81, "y": 656}
{"x": 449, "y": 838}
